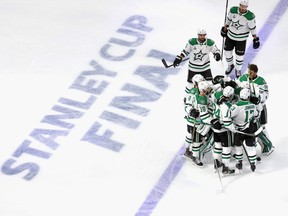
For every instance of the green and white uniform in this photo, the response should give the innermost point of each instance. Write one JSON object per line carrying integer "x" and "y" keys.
{"x": 240, "y": 25}
{"x": 242, "y": 113}
{"x": 222, "y": 135}
{"x": 199, "y": 53}
{"x": 201, "y": 125}
{"x": 221, "y": 112}
{"x": 259, "y": 88}
{"x": 191, "y": 103}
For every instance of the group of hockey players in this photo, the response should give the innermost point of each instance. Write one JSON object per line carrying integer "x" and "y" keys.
{"x": 226, "y": 116}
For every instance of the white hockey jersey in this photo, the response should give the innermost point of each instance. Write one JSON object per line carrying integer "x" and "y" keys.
{"x": 257, "y": 86}
{"x": 240, "y": 25}
{"x": 242, "y": 113}
{"x": 199, "y": 54}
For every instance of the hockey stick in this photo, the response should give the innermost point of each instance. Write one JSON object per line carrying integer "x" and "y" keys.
{"x": 220, "y": 179}
{"x": 259, "y": 130}
{"x": 224, "y": 25}
{"x": 193, "y": 131}
{"x": 243, "y": 145}
{"x": 167, "y": 66}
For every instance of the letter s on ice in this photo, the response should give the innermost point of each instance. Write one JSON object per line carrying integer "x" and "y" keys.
{"x": 32, "y": 169}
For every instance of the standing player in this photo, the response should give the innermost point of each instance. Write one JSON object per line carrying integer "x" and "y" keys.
{"x": 239, "y": 23}
{"x": 243, "y": 114}
{"x": 198, "y": 118}
{"x": 220, "y": 124}
{"x": 199, "y": 50}
{"x": 259, "y": 94}
{"x": 192, "y": 118}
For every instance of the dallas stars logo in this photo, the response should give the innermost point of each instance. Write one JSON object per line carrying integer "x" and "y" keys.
{"x": 199, "y": 55}
{"x": 236, "y": 25}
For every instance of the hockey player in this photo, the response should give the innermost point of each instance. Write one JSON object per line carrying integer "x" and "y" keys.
{"x": 199, "y": 50}
{"x": 192, "y": 119}
{"x": 239, "y": 23}
{"x": 259, "y": 95}
{"x": 243, "y": 114}
{"x": 198, "y": 119}
{"x": 222, "y": 135}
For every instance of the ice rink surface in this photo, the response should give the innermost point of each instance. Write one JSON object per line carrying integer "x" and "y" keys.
{"x": 92, "y": 123}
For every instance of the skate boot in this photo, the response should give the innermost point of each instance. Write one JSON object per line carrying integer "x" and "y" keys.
{"x": 217, "y": 164}
{"x": 187, "y": 154}
{"x": 197, "y": 161}
{"x": 229, "y": 69}
{"x": 226, "y": 170}
{"x": 253, "y": 167}
{"x": 239, "y": 165}
{"x": 237, "y": 73}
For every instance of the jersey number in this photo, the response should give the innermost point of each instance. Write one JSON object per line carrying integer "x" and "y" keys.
{"x": 249, "y": 115}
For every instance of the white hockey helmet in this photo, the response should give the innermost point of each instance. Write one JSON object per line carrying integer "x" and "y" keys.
{"x": 227, "y": 79}
{"x": 245, "y": 94}
{"x": 228, "y": 92}
{"x": 203, "y": 86}
{"x": 197, "y": 78}
{"x": 244, "y": 3}
{"x": 201, "y": 31}
{"x": 245, "y": 84}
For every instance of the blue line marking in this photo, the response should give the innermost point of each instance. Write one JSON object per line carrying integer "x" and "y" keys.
{"x": 176, "y": 164}
{"x": 162, "y": 185}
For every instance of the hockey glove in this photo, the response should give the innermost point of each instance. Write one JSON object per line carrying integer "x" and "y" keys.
{"x": 255, "y": 100}
{"x": 256, "y": 42}
{"x": 231, "y": 83}
{"x": 217, "y": 56}
{"x": 217, "y": 79}
{"x": 223, "y": 83}
{"x": 194, "y": 113}
{"x": 215, "y": 124}
{"x": 177, "y": 61}
{"x": 233, "y": 129}
{"x": 223, "y": 32}
{"x": 221, "y": 100}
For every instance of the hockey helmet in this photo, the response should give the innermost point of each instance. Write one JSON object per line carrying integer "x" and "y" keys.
{"x": 201, "y": 32}
{"x": 227, "y": 79}
{"x": 244, "y": 3}
{"x": 228, "y": 92}
{"x": 245, "y": 94}
{"x": 245, "y": 84}
{"x": 203, "y": 86}
{"x": 197, "y": 78}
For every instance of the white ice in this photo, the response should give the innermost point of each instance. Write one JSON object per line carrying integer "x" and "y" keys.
{"x": 45, "y": 45}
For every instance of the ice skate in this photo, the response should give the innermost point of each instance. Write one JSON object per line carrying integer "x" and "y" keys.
{"x": 227, "y": 171}
{"x": 229, "y": 69}
{"x": 197, "y": 161}
{"x": 239, "y": 165}
{"x": 187, "y": 154}
{"x": 253, "y": 167}
{"x": 217, "y": 164}
{"x": 237, "y": 73}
